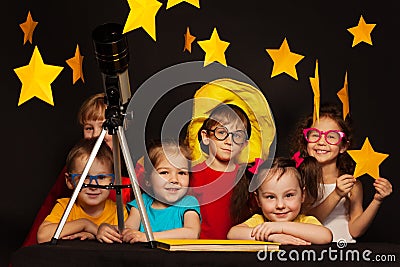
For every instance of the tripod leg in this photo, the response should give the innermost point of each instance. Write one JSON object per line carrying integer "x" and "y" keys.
{"x": 135, "y": 187}
{"x": 117, "y": 172}
{"x": 78, "y": 187}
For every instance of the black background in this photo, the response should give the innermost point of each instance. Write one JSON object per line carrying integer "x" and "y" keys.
{"x": 37, "y": 136}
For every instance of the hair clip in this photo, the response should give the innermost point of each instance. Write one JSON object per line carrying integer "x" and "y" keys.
{"x": 257, "y": 163}
{"x": 296, "y": 157}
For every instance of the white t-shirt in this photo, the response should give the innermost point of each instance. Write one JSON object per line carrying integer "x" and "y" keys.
{"x": 338, "y": 219}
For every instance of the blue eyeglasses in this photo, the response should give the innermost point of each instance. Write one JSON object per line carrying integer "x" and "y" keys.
{"x": 100, "y": 179}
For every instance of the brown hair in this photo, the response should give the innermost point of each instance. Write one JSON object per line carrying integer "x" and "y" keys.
{"x": 344, "y": 162}
{"x": 307, "y": 173}
{"x": 93, "y": 108}
{"x": 243, "y": 204}
{"x": 83, "y": 148}
{"x": 223, "y": 114}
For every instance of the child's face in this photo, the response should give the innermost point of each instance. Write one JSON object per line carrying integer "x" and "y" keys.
{"x": 170, "y": 179}
{"x": 92, "y": 129}
{"x": 321, "y": 150}
{"x": 89, "y": 196}
{"x": 280, "y": 199}
{"x": 225, "y": 150}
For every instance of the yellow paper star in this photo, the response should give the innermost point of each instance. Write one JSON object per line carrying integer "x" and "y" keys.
{"x": 362, "y": 32}
{"x": 284, "y": 60}
{"x": 76, "y": 65}
{"x": 343, "y": 95}
{"x": 214, "y": 48}
{"x": 142, "y": 14}
{"x": 28, "y": 27}
{"x": 172, "y": 3}
{"x": 36, "y": 79}
{"x": 367, "y": 160}
{"x": 188, "y": 41}
{"x": 315, "y": 87}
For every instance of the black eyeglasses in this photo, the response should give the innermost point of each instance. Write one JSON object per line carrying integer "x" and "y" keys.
{"x": 221, "y": 133}
{"x": 100, "y": 179}
{"x": 332, "y": 137}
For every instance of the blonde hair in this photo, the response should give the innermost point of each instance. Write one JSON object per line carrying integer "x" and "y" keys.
{"x": 92, "y": 108}
{"x": 157, "y": 150}
{"x": 83, "y": 148}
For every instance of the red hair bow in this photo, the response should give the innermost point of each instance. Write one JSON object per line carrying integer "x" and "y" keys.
{"x": 256, "y": 165}
{"x": 296, "y": 157}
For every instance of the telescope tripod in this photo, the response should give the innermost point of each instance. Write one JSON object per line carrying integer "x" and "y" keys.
{"x": 113, "y": 124}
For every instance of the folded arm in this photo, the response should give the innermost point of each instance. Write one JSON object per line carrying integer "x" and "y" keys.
{"x": 71, "y": 229}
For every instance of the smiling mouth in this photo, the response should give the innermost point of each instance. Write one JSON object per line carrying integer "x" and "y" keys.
{"x": 93, "y": 195}
{"x": 172, "y": 189}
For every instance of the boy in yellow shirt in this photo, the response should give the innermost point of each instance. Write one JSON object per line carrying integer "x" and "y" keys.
{"x": 92, "y": 206}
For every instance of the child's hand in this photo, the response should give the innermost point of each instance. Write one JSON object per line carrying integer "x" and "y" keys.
{"x": 108, "y": 233}
{"x": 81, "y": 236}
{"x": 263, "y": 231}
{"x": 285, "y": 239}
{"x": 383, "y": 188}
{"x": 344, "y": 184}
{"x": 132, "y": 236}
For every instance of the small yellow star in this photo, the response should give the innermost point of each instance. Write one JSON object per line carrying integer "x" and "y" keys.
{"x": 142, "y": 14}
{"x": 315, "y": 87}
{"x": 36, "y": 79}
{"x": 28, "y": 27}
{"x": 343, "y": 95}
{"x": 76, "y": 65}
{"x": 214, "y": 48}
{"x": 362, "y": 32}
{"x": 172, "y": 3}
{"x": 188, "y": 41}
{"x": 367, "y": 160}
{"x": 284, "y": 60}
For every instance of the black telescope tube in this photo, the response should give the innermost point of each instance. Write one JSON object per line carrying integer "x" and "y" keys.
{"x": 111, "y": 48}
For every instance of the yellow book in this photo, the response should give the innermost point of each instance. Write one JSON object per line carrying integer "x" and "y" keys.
{"x": 216, "y": 245}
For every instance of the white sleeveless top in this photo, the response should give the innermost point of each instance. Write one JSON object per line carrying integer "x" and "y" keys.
{"x": 338, "y": 219}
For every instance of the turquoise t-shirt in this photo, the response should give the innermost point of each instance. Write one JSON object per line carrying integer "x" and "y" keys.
{"x": 168, "y": 218}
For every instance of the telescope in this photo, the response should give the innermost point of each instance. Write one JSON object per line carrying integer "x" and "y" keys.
{"x": 112, "y": 54}
{"x": 111, "y": 49}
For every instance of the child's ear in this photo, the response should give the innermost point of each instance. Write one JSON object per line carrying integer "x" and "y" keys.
{"x": 256, "y": 197}
{"x": 68, "y": 181}
{"x": 344, "y": 147}
{"x": 303, "y": 194}
{"x": 204, "y": 137}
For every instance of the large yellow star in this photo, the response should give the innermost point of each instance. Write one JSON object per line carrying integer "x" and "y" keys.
{"x": 142, "y": 14}
{"x": 36, "y": 79}
{"x": 367, "y": 160}
{"x": 362, "y": 32}
{"x": 214, "y": 48}
{"x": 188, "y": 41}
{"x": 284, "y": 60}
{"x": 343, "y": 95}
{"x": 172, "y": 3}
{"x": 76, "y": 65}
{"x": 315, "y": 87}
{"x": 28, "y": 27}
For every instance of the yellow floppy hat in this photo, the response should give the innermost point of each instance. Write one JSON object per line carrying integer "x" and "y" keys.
{"x": 250, "y": 100}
